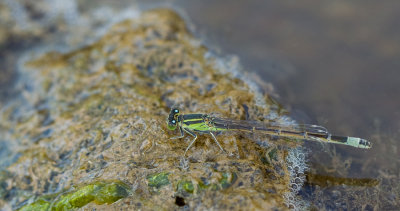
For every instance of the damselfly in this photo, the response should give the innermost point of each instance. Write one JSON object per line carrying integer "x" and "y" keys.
{"x": 209, "y": 124}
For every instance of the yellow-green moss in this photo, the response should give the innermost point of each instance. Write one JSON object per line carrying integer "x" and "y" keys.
{"x": 39, "y": 205}
{"x": 186, "y": 186}
{"x": 97, "y": 192}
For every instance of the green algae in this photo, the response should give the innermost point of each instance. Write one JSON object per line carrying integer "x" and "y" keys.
{"x": 40, "y": 205}
{"x": 158, "y": 180}
{"x": 97, "y": 192}
{"x": 185, "y": 185}
{"x": 226, "y": 180}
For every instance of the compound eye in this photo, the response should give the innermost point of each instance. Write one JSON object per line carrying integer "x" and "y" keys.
{"x": 176, "y": 111}
{"x": 173, "y": 121}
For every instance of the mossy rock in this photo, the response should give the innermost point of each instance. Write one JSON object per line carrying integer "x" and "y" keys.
{"x": 98, "y": 113}
{"x": 97, "y": 192}
{"x": 158, "y": 180}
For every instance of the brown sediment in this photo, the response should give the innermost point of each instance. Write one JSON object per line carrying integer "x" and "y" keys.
{"x": 327, "y": 181}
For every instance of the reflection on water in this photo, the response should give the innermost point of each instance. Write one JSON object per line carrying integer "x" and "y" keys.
{"x": 333, "y": 63}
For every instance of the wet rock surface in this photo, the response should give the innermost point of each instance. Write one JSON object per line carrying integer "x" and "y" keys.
{"x": 98, "y": 113}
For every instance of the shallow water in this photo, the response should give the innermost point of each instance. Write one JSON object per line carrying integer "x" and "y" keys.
{"x": 331, "y": 63}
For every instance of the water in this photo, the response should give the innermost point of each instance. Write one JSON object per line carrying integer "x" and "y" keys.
{"x": 333, "y": 63}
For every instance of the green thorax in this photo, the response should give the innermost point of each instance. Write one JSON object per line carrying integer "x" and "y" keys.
{"x": 198, "y": 122}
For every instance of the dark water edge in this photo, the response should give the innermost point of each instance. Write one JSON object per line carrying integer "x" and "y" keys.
{"x": 332, "y": 64}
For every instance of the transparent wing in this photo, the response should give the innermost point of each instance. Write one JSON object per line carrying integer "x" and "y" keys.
{"x": 253, "y": 126}
{"x": 299, "y": 131}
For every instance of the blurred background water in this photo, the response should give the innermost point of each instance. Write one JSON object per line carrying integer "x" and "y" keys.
{"x": 332, "y": 63}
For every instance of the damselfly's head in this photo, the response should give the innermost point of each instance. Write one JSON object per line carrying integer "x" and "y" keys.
{"x": 173, "y": 119}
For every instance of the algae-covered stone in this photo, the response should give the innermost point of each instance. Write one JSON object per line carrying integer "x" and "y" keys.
{"x": 98, "y": 113}
{"x": 39, "y": 205}
{"x": 98, "y": 192}
{"x": 158, "y": 180}
{"x": 186, "y": 186}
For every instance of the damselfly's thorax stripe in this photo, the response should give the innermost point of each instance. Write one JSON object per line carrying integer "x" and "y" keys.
{"x": 190, "y": 117}
{"x": 192, "y": 122}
